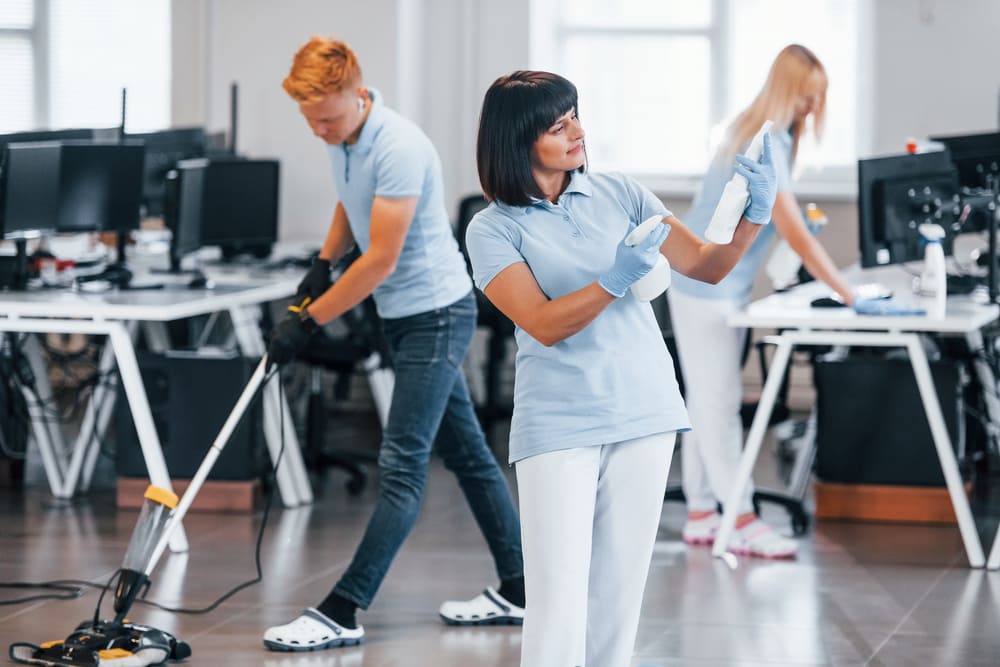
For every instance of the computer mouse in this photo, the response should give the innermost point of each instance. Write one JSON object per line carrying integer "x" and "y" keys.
{"x": 827, "y": 302}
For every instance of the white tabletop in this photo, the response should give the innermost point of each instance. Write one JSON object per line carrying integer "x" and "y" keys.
{"x": 792, "y": 310}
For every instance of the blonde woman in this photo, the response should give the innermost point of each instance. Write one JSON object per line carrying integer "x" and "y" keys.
{"x": 709, "y": 350}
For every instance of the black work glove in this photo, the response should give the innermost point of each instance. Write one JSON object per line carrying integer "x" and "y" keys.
{"x": 290, "y": 337}
{"x": 316, "y": 281}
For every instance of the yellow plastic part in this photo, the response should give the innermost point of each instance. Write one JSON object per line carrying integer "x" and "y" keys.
{"x": 160, "y": 495}
{"x": 55, "y": 642}
{"x": 113, "y": 653}
{"x": 297, "y": 308}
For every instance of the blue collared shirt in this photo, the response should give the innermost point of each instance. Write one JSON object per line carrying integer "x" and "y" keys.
{"x": 614, "y": 379}
{"x": 739, "y": 282}
{"x": 393, "y": 158}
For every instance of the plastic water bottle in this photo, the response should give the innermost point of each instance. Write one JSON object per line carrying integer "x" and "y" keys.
{"x": 934, "y": 278}
{"x": 735, "y": 195}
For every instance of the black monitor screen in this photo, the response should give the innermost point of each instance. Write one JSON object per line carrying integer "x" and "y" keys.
{"x": 895, "y": 196}
{"x": 240, "y": 204}
{"x": 976, "y": 156}
{"x": 100, "y": 186}
{"x": 230, "y": 203}
{"x": 164, "y": 149}
{"x": 45, "y": 135}
{"x": 30, "y": 188}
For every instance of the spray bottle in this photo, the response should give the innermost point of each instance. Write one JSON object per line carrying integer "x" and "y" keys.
{"x": 735, "y": 195}
{"x": 934, "y": 278}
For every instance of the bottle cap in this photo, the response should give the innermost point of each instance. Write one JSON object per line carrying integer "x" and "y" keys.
{"x": 911, "y": 145}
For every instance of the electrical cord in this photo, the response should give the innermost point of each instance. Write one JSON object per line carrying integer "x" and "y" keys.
{"x": 71, "y": 589}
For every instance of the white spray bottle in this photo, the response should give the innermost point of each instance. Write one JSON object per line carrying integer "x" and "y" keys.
{"x": 934, "y": 278}
{"x": 735, "y": 196}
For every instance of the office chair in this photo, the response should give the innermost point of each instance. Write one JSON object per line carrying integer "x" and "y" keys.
{"x": 501, "y": 329}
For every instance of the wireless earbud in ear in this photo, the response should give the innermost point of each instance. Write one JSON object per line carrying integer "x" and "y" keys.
{"x": 361, "y": 105}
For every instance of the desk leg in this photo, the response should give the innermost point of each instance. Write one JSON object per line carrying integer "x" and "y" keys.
{"x": 942, "y": 442}
{"x": 994, "y": 562}
{"x": 48, "y": 436}
{"x": 94, "y": 425}
{"x": 755, "y": 439}
{"x": 149, "y": 441}
{"x": 292, "y": 478}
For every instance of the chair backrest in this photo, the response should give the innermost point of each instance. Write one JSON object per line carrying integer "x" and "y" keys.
{"x": 467, "y": 209}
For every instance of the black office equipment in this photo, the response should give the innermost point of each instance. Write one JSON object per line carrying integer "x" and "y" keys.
{"x": 895, "y": 196}
{"x": 164, "y": 149}
{"x": 871, "y": 427}
{"x": 100, "y": 186}
{"x": 29, "y": 201}
{"x": 190, "y": 396}
{"x": 975, "y": 156}
{"x": 230, "y": 203}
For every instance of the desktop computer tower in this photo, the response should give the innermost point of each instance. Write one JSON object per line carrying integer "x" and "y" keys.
{"x": 871, "y": 424}
{"x": 190, "y": 396}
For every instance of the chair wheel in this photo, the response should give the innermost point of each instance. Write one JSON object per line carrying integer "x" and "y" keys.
{"x": 800, "y": 523}
{"x": 356, "y": 484}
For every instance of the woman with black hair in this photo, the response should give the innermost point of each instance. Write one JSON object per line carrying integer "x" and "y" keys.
{"x": 596, "y": 403}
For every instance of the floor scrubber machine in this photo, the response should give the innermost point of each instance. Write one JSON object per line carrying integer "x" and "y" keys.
{"x": 119, "y": 642}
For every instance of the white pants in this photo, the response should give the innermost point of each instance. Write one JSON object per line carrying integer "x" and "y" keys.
{"x": 710, "y": 354}
{"x": 589, "y": 518}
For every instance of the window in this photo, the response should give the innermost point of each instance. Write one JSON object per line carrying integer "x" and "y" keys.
{"x": 63, "y": 63}
{"x": 660, "y": 81}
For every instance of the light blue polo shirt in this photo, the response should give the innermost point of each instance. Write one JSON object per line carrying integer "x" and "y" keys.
{"x": 739, "y": 282}
{"x": 393, "y": 158}
{"x": 613, "y": 380}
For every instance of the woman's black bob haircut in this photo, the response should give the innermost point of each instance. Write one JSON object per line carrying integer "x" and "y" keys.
{"x": 517, "y": 109}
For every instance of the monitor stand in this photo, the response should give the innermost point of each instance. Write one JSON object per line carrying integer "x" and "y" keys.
{"x": 118, "y": 273}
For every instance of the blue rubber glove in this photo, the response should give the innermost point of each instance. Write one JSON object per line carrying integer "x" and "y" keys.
{"x": 884, "y": 307}
{"x": 633, "y": 262}
{"x": 762, "y": 183}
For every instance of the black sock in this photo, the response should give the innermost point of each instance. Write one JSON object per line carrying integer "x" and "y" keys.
{"x": 339, "y": 609}
{"x": 512, "y": 590}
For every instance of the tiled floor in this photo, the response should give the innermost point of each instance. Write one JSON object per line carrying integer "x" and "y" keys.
{"x": 859, "y": 594}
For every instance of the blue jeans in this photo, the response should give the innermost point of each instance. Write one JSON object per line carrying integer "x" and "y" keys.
{"x": 431, "y": 398}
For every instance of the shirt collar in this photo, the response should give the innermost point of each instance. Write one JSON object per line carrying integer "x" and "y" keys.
{"x": 579, "y": 183}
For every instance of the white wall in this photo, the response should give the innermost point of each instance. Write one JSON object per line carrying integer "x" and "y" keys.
{"x": 935, "y": 68}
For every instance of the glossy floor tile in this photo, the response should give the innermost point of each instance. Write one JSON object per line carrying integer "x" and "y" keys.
{"x": 859, "y": 594}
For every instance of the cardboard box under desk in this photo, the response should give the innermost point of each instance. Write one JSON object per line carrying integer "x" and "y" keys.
{"x": 216, "y": 495}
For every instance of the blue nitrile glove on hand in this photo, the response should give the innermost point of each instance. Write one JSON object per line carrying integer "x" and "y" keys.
{"x": 886, "y": 307}
{"x": 633, "y": 262}
{"x": 762, "y": 183}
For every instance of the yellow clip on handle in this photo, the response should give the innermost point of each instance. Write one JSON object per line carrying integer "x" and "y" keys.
{"x": 293, "y": 308}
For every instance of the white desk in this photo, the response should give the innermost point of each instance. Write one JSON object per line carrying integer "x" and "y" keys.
{"x": 803, "y": 324}
{"x": 116, "y": 314}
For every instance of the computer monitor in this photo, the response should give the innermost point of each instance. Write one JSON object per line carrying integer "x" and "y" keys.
{"x": 100, "y": 186}
{"x": 164, "y": 149}
{"x": 895, "y": 196}
{"x": 30, "y": 189}
{"x": 35, "y": 136}
{"x": 976, "y": 156}
{"x": 229, "y": 203}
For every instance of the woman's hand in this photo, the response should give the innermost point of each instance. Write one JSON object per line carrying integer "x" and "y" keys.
{"x": 762, "y": 182}
{"x": 633, "y": 262}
